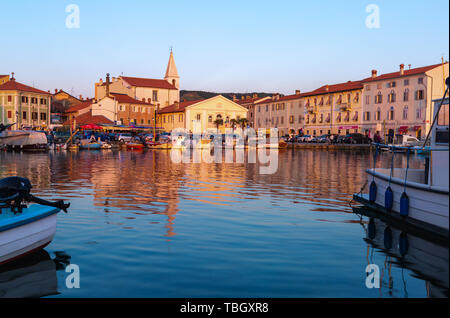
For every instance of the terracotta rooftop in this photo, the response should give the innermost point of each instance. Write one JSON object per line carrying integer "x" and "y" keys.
{"x": 12, "y": 85}
{"x": 181, "y": 107}
{"x": 123, "y": 98}
{"x": 407, "y": 72}
{"x": 80, "y": 106}
{"x": 87, "y": 118}
{"x": 147, "y": 82}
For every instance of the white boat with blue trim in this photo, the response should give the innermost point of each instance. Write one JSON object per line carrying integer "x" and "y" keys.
{"x": 419, "y": 197}
{"x": 24, "y": 228}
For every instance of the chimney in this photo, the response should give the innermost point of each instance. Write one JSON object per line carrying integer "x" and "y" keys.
{"x": 101, "y": 81}
{"x": 107, "y": 84}
{"x": 56, "y": 90}
{"x": 402, "y": 69}
{"x": 409, "y": 65}
{"x": 12, "y": 77}
{"x": 255, "y": 95}
{"x": 234, "y": 98}
{"x": 297, "y": 92}
{"x": 374, "y": 73}
{"x": 242, "y": 97}
{"x": 327, "y": 88}
{"x": 81, "y": 97}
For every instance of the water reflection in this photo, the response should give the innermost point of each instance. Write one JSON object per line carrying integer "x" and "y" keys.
{"x": 425, "y": 256}
{"x": 32, "y": 276}
{"x": 143, "y": 216}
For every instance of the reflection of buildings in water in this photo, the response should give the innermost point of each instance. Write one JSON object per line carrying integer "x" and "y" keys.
{"x": 32, "y": 276}
{"x": 427, "y": 260}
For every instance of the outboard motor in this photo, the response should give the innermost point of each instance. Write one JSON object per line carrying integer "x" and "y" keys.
{"x": 15, "y": 191}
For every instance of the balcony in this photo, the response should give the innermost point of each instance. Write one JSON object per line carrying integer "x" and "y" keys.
{"x": 345, "y": 107}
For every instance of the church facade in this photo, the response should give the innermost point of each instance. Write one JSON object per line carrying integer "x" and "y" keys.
{"x": 158, "y": 92}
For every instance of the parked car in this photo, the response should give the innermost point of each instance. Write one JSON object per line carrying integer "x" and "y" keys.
{"x": 307, "y": 138}
{"x": 125, "y": 137}
{"x": 356, "y": 138}
{"x": 324, "y": 138}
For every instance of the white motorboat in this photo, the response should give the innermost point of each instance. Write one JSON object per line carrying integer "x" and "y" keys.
{"x": 23, "y": 140}
{"x": 24, "y": 229}
{"x": 417, "y": 196}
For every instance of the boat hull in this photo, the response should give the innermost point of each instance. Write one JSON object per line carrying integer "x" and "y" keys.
{"x": 426, "y": 204}
{"x": 27, "y": 234}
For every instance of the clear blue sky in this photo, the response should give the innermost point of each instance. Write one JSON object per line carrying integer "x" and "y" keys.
{"x": 222, "y": 46}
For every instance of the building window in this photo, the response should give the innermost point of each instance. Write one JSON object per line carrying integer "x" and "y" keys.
{"x": 406, "y": 95}
{"x": 180, "y": 118}
{"x": 406, "y": 82}
{"x": 391, "y": 113}
{"x": 155, "y": 96}
{"x": 405, "y": 112}
{"x": 367, "y": 100}
{"x": 420, "y": 80}
{"x": 419, "y": 113}
{"x": 378, "y": 114}
{"x": 209, "y": 119}
{"x": 368, "y": 87}
{"x": 419, "y": 94}
{"x": 9, "y": 98}
{"x": 25, "y": 99}
{"x": 391, "y": 97}
{"x": 199, "y": 117}
{"x": 367, "y": 116}
{"x": 391, "y": 84}
{"x": 9, "y": 114}
{"x": 34, "y": 115}
{"x": 378, "y": 98}
{"x": 299, "y": 119}
{"x": 24, "y": 115}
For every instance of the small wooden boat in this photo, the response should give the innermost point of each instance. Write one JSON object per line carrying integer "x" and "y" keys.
{"x": 24, "y": 229}
{"x": 135, "y": 144}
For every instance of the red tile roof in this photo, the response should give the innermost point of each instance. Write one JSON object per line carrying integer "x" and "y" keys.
{"x": 181, "y": 107}
{"x": 80, "y": 106}
{"x": 148, "y": 82}
{"x": 12, "y": 85}
{"x": 87, "y": 118}
{"x": 335, "y": 88}
{"x": 125, "y": 99}
{"x": 413, "y": 71}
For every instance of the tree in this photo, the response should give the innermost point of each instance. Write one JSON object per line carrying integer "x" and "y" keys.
{"x": 243, "y": 122}
{"x": 218, "y": 122}
{"x": 233, "y": 123}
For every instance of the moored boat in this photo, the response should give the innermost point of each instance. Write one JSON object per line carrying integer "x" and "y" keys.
{"x": 24, "y": 229}
{"x": 419, "y": 197}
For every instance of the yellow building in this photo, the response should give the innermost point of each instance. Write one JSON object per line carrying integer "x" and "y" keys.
{"x": 4, "y": 79}
{"x": 334, "y": 109}
{"x": 200, "y": 115}
{"x": 24, "y": 105}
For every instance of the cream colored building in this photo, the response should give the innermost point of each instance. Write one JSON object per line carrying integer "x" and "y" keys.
{"x": 24, "y": 105}
{"x": 160, "y": 92}
{"x": 401, "y": 102}
{"x": 333, "y": 109}
{"x": 282, "y": 112}
{"x": 199, "y": 116}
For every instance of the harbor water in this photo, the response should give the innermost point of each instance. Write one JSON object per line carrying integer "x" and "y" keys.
{"x": 142, "y": 225}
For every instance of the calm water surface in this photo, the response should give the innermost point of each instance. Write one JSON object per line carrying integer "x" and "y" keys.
{"x": 140, "y": 225}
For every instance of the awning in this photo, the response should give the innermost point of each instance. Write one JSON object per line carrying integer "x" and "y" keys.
{"x": 403, "y": 129}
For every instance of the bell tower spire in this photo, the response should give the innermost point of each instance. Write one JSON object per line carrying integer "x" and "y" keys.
{"x": 171, "y": 72}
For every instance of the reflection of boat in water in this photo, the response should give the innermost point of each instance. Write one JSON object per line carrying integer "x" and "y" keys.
{"x": 32, "y": 276}
{"x": 26, "y": 140}
{"x": 426, "y": 256}
{"x": 419, "y": 197}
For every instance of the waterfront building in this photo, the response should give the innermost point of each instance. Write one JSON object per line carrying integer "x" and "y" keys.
{"x": 61, "y": 102}
{"x": 24, "y": 105}
{"x": 401, "y": 102}
{"x": 250, "y": 103}
{"x": 160, "y": 92}
{"x": 333, "y": 109}
{"x": 282, "y": 112}
{"x": 124, "y": 110}
{"x": 201, "y": 115}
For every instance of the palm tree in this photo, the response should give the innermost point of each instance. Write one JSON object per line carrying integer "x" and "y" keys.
{"x": 218, "y": 122}
{"x": 233, "y": 123}
{"x": 243, "y": 122}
